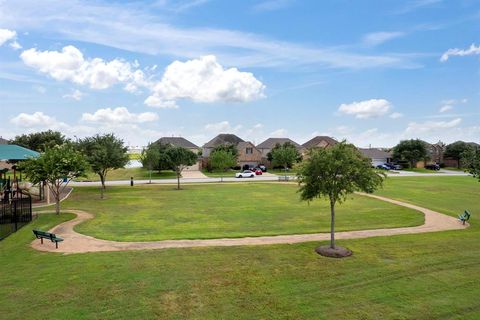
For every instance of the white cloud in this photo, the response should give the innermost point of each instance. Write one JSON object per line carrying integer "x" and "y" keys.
{"x": 204, "y": 80}
{"x": 366, "y": 109}
{"x": 222, "y": 127}
{"x": 75, "y": 95}
{"x": 118, "y": 116}
{"x": 6, "y": 35}
{"x": 36, "y": 119}
{"x": 135, "y": 28}
{"x": 376, "y": 38}
{"x": 15, "y": 45}
{"x": 396, "y": 115}
{"x": 460, "y": 52}
{"x": 280, "y": 133}
{"x": 69, "y": 64}
{"x": 445, "y": 108}
{"x": 417, "y": 129}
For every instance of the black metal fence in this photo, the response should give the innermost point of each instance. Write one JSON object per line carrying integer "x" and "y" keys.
{"x": 14, "y": 213}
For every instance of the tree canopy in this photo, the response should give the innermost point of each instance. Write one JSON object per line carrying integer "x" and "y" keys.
{"x": 222, "y": 160}
{"x": 471, "y": 162}
{"x": 56, "y": 166}
{"x": 150, "y": 158}
{"x": 179, "y": 158}
{"x": 456, "y": 150}
{"x": 40, "y": 141}
{"x": 228, "y": 148}
{"x": 104, "y": 153}
{"x": 334, "y": 173}
{"x": 284, "y": 155}
{"x": 413, "y": 150}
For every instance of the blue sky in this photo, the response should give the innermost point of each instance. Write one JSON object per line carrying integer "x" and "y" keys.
{"x": 372, "y": 72}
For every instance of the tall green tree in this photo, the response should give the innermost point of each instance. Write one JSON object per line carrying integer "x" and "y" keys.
{"x": 413, "y": 150}
{"x": 334, "y": 173}
{"x": 284, "y": 155}
{"x": 150, "y": 158}
{"x": 178, "y": 159}
{"x": 104, "y": 153}
{"x": 471, "y": 162}
{"x": 40, "y": 141}
{"x": 56, "y": 166}
{"x": 222, "y": 160}
{"x": 456, "y": 150}
{"x": 229, "y": 148}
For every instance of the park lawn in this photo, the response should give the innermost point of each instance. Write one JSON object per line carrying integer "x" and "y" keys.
{"x": 424, "y": 276}
{"x": 219, "y": 174}
{"x": 146, "y": 213}
{"x": 126, "y": 173}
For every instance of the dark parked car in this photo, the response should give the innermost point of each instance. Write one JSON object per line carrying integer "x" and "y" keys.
{"x": 393, "y": 166}
{"x": 434, "y": 166}
{"x": 383, "y": 167}
{"x": 262, "y": 167}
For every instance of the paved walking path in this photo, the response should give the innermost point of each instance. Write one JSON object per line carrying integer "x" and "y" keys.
{"x": 79, "y": 243}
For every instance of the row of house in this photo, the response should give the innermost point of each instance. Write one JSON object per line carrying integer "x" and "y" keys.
{"x": 252, "y": 155}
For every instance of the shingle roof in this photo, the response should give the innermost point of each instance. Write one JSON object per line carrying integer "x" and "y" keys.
{"x": 3, "y": 141}
{"x": 271, "y": 142}
{"x": 315, "y": 141}
{"x": 375, "y": 153}
{"x": 224, "y": 138}
{"x": 14, "y": 152}
{"x": 177, "y": 141}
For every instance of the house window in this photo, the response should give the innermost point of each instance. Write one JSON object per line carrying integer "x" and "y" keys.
{"x": 249, "y": 150}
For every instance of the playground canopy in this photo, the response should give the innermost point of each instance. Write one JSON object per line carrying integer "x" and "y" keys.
{"x": 12, "y": 152}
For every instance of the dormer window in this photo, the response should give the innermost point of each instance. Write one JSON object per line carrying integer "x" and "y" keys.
{"x": 249, "y": 151}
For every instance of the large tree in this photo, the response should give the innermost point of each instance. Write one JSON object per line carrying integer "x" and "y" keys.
{"x": 334, "y": 173}
{"x": 56, "y": 166}
{"x": 104, "y": 153}
{"x": 159, "y": 150}
{"x": 150, "y": 158}
{"x": 227, "y": 147}
{"x": 40, "y": 141}
{"x": 456, "y": 150}
{"x": 178, "y": 159}
{"x": 471, "y": 162}
{"x": 284, "y": 155}
{"x": 222, "y": 160}
{"x": 413, "y": 150}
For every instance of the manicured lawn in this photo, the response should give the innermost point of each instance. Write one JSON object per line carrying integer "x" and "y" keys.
{"x": 216, "y": 174}
{"x": 421, "y": 170}
{"x": 425, "y": 276}
{"x": 147, "y": 213}
{"x": 281, "y": 172}
{"x": 126, "y": 173}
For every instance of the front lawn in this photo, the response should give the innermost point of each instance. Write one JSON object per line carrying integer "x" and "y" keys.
{"x": 126, "y": 173}
{"x": 157, "y": 212}
{"x": 424, "y": 276}
{"x": 219, "y": 174}
{"x": 421, "y": 170}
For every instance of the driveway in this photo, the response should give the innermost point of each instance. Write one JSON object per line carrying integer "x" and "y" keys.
{"x": 193, "y": 174}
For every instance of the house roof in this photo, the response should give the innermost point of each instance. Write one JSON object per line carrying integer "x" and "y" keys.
{"x": 3, "y": 141}
{"x": 271, "y": 142}
{"x": 375, "y": 153}
{"x": 223, "y": 138}
{"x": 177, "y": 142}
{"x": 14, "y": 152}
{"x": 316, "y": 141}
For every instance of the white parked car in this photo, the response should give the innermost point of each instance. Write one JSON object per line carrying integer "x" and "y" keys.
{"x": 245, "y": 174}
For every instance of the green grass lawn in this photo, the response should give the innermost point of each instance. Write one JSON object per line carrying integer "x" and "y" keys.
{"x": 216, "y": 174}
{"x": 148, "y": 213}
{"x": 424, "y": 276}
{"x": 421, "y": 170}
{"x": 126, "y": 173}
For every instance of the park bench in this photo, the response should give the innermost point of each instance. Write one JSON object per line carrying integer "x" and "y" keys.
{"x": 464, "y": 216}
{"x": 47, "y": 235}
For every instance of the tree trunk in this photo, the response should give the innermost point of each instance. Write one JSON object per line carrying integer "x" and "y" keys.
{"x": 178, "y": 180}
{"x": 285, "y": 168}
{"x": 102, "y": 188}
{"x": 57, "y": 199}
{"x": 332, "y": 224}
{"x": 150, "y": 176}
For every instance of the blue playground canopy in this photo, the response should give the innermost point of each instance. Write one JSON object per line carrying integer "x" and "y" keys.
{"x": 12, "y": 152}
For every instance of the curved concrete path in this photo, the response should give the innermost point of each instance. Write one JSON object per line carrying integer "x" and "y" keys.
{"x": 79, "y": 243}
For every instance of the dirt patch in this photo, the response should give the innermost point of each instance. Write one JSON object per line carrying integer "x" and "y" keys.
{"x": 337, "y": 252}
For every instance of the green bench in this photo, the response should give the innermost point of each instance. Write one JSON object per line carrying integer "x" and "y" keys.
{"x": 464, "y": 216}
{"x": 47, "y": 235}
